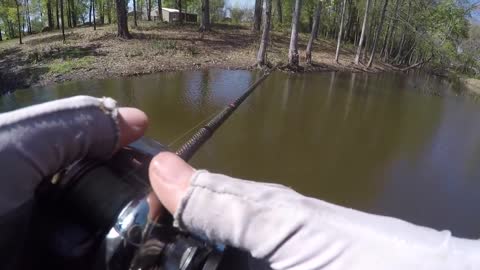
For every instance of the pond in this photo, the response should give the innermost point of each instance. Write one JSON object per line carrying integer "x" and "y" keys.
{"x": 400, "y": 145}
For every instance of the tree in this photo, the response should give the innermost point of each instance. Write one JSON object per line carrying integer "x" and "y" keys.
{"x": 19, "y": 22}
{"x": 122, "y": 20}
{"x": 149, "y": 10}
{"x": 362, "y": 35}
{"x": 57, "y": 3}
{"x": 279, "y": 11}
{"x": 293, "y": 58}
{"x": 27, "y": 17}
{"x": 50, "y": 15}
{"x": 377, "y": 35}
{"x": 160, "y": 15}
{"x": 340, "y": 31}
{"x": 262, "y": 50}
{"x": 73, "y": 13}
{"x": 390, "y": 30}
{"x": 257, "y": 15}
{"x": 94, "y": 15}
{"x": 90, "y": 12}
{"x": 134, "y": 12}
{"x": 179, "y": 6}
{"x": 205, "y": 21}
{"x": 63, "y": 20}
{"x": 313, "y": 35}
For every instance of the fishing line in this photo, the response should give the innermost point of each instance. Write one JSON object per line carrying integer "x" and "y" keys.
{"x": 193, "y": 128}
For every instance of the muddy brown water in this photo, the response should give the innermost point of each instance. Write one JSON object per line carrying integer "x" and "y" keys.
{"x": 393, "y": 144}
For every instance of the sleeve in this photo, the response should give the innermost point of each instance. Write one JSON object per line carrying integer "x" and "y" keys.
{"x": 291, "y": 231}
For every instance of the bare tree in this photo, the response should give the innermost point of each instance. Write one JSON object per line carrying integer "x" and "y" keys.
{"x": 19, "y": 22}
{"x": 94, "y": 16}
{"x": 50, "y": 15}
{"x": 134, "y": 12}
{"x": 149, "y": 10}
{"x": 63, "y": 20}
{"x": 257, "y": 15}
{"x": 293, "y": 58}
{"x": 280, "y": 11}
{"x": 27, "y": 17}
{"x": 205, "y": 22}
{"x": 262, "y": 50}
{"x": 122, "y": 20}
{"x": 90, "y": 12}
{"x": 362, "y": 35}
{"x": 57, "y": 13}
{"x": 391, "y": 34}
{"x": 377, "y": 35}
{"x": 340, "y": 31}
{"x": 160, "y": 13}
{"x": 313, "y": 35}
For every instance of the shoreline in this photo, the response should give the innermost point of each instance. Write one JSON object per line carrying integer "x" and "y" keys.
{"x": 88, "y": 54}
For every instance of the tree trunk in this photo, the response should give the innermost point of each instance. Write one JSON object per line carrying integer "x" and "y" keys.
{"x": 293, "y": 58}
{"x": 57, "y": 13}
{"x": 160, "y": 13}
{"x": 63, "y": 20}
{"x": 69, "y": 15}
{"x": 402, "y": 41}
{"x": 379, "y": 31}
{"x": 102, "y": 13}
{"x": 262, "y": 50}
{"x": 149, "y": 10}
{"x": 90, "y": 12}
{"x": 279, "y": 11}
{"x": 122, "y": 19}
{"x": 50, "y": 15}
{"x": 390, "y": 33}
{"x": 205, "y": 23}
{"x": 362, "y": 35}
{"x": 27, "y": 15}
{"x": 313, "y": 35}
{"x": 74, "y": 14}
{"x": 109, "y": 11}
{"x": 257, "y": 15}
{"x": 94, "y": 16}
{"x": 1, "y": 38}
{"x": 180, "y": 10}
{"x": 350, "y": 22}
{"x": 134, "y": 12}
{"x": 19, "y": 22}
{"x": 340, "y": 31}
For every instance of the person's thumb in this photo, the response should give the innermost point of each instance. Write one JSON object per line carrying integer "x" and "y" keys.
{"x": 170, "y": 178}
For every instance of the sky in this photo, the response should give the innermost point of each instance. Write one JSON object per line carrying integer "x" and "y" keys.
{"x": 240, "y": 3}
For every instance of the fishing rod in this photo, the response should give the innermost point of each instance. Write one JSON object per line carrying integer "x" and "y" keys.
{"x": 103, "y": 215}
{"x": 189, "y": 148}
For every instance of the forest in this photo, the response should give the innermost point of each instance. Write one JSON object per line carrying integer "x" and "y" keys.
{"x": 440, "y": 36}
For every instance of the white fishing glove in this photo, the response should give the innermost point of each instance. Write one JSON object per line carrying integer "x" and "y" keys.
{"x": 294, "y": 232}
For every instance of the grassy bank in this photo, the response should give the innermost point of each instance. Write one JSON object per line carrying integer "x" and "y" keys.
{"x": 87, "y": 54}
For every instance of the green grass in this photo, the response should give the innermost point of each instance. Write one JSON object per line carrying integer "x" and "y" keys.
{"x": 66, "y": 66}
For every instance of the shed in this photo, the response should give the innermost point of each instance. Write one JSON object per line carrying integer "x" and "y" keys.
{"x": 172, "y": 15}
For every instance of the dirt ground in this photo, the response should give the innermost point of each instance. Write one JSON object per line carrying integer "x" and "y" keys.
{"x": 89, "y": 54}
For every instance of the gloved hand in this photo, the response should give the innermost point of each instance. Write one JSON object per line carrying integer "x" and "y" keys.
{"x": 38, "y": 141}
{"x": 291, "y": 231}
